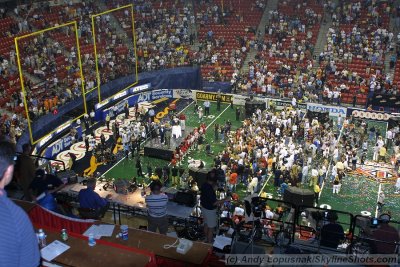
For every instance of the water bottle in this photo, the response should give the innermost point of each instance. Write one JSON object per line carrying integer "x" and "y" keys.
{"x": 91, "y": 240}
{"x": 124, "y": 232}
{"x": 64, "y": 235}
{"x": 42, "y": 238}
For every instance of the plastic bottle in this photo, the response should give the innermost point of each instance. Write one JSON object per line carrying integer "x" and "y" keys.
{"x": 91, "y": 240}
{"x": 42, "y": 238}
{"x": 64, "y": 235}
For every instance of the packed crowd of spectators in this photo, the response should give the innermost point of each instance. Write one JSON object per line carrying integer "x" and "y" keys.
{"x": 356, "y": 47}
{"x": 283, "y": 64}
{"x": 226, "y": 35}
{"x": 351, "y": 65}
{"x": 291, "y": 147}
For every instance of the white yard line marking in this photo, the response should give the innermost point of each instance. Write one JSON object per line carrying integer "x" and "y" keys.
{"x": 186, "y": 107}
{"x": 266, "y": 182}
{"x": 217, "y": 117}
{"x": 379, "y": 191}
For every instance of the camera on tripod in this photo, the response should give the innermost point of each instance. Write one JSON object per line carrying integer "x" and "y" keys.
{"x": 258, "y": 205}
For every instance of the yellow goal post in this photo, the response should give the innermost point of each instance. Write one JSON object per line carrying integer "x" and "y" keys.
{"x": 22, "y": 81}
{"x": 130, "y": 7}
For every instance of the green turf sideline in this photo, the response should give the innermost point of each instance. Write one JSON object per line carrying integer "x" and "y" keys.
{"x": 112, "y": 167}
{"x": 211, "y": 123}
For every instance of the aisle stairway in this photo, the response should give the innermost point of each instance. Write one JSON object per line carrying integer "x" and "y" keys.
{"x": 271, "y": 5}
{"x": 115, "y": 23}
{"x": 322, "y": 40}
{"x": 392, "y": 27}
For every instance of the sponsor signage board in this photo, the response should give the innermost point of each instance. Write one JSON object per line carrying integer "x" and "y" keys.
{"x": 333, "y": 110}
{"x": 213, "y": 97}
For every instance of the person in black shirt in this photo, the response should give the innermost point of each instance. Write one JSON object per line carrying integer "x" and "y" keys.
{"x": 166, "y": 174}
{"x": 216, "y": 129}
{"x": 159, "y": 172}
{"x": 139, "y": 167}
{"x": 126, "y": 110}
{"x": 87, "y": 143}
{"x": 209, "y": 203}
{"x": 208, "y": 149}
{"x": 103, "y": 141}
{"x": 200, "y": 142}
{"x": 332, "y": 233}
{"x": 277, "y": 175}
{"x": 237, "y": 114}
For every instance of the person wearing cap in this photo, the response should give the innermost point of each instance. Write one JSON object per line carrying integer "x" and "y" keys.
{"x": 157, "y": 209}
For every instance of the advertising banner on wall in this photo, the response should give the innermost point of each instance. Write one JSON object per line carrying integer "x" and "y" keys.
{"x": 155, "y": 95}
{"x": 369, "y": 115}
{"x": 182, "y": 93}
{"x": 60, "y": 145}
{"x": 281, "y": 104}
{"x": 225, "y": 98}
{"x": 239, "y": 100}
{"x": 333, "y": 110}
{"x": 123, "y": 94}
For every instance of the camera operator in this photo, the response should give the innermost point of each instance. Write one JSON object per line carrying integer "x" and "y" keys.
{"x": 209, "y": 203}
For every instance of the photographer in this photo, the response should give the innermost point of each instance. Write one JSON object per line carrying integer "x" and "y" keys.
{"x": 209, "y": 203}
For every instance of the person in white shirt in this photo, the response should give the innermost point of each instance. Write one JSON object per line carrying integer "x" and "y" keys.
{"x": 380, "y": 142}
{"x": 397, "y": 186}
{"x": 239, "y": 211}
{"x": 294, "y": 102}
{"x": 268, "y": 213}
{"x": 277, "y": 132}
{"x": 252, "y": 187}
{"x": 304, "y": 174}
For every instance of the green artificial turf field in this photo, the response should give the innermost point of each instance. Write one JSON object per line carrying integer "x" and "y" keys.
{"x": 126, "y": 167}
{"x": 357, "y": 194}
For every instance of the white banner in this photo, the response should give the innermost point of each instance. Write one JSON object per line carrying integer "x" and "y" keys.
{"x": 239, "y": 100}
{"x": 182, "y": 93}
{"x": 333, "y": 110}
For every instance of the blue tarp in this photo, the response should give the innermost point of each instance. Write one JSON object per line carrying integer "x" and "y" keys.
{"x": 224, "y": 87}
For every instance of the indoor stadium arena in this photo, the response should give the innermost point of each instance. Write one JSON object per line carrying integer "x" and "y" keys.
{"x": 209, "y": 133}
